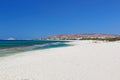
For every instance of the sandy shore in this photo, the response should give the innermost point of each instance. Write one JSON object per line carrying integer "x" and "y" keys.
{"x": 84, "y": 60}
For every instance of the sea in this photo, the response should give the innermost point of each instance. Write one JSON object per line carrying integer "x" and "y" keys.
{"x": 11, "y": 47}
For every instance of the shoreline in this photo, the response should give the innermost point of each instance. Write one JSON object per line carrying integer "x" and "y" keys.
{"x": 9, "y": 51}
{"x": 85, "y": 60}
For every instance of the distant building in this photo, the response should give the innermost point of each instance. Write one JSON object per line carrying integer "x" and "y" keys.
{"x": 11, "y": 38}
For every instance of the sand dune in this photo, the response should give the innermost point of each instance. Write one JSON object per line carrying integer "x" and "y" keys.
{"x": 84, "y": 60}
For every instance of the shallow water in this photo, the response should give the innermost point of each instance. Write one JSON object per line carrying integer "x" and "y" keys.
{"x": 8, "y": 47}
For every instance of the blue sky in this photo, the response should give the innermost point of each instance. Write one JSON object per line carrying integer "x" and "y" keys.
{"x": 25, "y": 19}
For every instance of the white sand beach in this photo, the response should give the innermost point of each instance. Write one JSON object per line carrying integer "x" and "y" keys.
{"x": 84, "y": 60}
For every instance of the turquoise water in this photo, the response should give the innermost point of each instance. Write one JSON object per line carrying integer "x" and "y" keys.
{"x": 10, "y": 47}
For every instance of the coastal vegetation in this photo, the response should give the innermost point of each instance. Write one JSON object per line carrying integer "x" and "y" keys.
{"x": 103, "y": 39}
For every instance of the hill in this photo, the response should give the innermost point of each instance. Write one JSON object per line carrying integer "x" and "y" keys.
{"x": 82, "y": 36}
